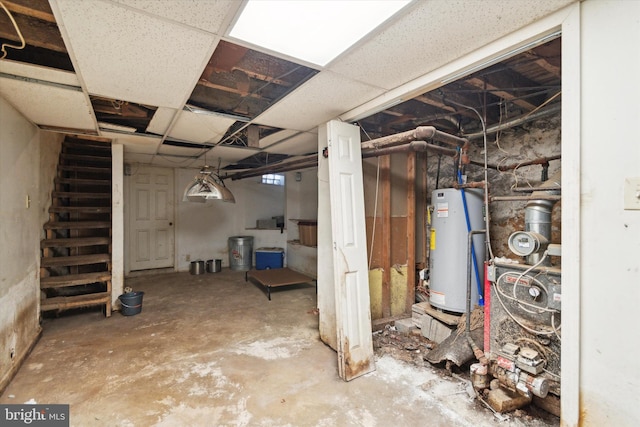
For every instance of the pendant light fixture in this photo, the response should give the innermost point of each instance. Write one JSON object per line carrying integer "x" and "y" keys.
{"x": 207, "y": 185}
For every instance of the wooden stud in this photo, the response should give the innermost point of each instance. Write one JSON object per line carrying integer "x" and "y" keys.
{"x": 411, "y": 230}
{"x": 385, "y": 256}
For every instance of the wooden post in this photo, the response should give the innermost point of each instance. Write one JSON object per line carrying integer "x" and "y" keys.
{"x": 424, "y": 238}
{"x": 385, "y": 244}
{"x": 411, "y": 230}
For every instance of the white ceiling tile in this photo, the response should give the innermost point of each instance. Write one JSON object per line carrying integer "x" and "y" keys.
{"x": 137, "y": 144}
{"x": 303, "y": 143}
{"x": 228, "y": 154}
{"x": 173, "y": 150}
{"x": 161, "y": 120}
{"x": 129, "y": 55}
{"x": 322, "y": 98}
{"x": 424, "y": 39}
{"x": 39, "y": 73}
{"x": 174, "y": 162}
{"x": 207, "y": 15}
{"x": 276, "y": 137}
{"x": 44, "y": 104}
{"x": 200, "y": 128}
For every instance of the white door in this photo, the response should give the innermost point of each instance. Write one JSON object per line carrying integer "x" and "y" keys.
{"x": 151, "y": 234}
{"x": 350, "y": 272}
{"x": 326, "y": 286}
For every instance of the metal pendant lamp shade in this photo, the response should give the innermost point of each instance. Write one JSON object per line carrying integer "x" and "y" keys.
{"x": 207, "y": 186}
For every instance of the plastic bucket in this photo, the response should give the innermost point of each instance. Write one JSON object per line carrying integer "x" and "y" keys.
{"x": 131, "y": 303}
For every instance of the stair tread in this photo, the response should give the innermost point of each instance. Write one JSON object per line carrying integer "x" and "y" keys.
{"x": 75, "y": 242}
{"x": 75, "y": 225}
{"x": 77, "y": 194}
{"x": 86, "y": 157}
{"x": 81, "y": 209}
{"x": 81, "y": 181}
{"x": 75, "y": 260}
{"x": 92, "y": 169}
{"x": 88, "y": 144}
{"x": 74, "y": 279}
{"x": 75, "y": 301}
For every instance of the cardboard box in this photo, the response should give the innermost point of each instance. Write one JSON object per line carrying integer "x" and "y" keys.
{"x": 308, "y": 231}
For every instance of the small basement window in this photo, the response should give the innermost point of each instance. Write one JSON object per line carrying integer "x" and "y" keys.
{"x": 273, "y": 179}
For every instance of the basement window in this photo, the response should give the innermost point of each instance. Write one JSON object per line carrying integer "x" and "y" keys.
{"x": 273, "y": 179}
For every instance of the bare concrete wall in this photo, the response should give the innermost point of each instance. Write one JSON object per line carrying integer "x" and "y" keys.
{"x": 203, "y": 229}
{"x": 50, "y": 147}
{"x": 19, "y": 236}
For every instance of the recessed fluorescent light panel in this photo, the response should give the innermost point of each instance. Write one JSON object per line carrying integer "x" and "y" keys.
{"x": 315, "y": 31}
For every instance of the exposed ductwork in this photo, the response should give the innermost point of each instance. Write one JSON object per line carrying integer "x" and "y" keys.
{"x": 537, "y": 213}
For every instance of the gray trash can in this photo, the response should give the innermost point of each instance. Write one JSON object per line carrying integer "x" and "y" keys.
{"x": 240, "y": 253}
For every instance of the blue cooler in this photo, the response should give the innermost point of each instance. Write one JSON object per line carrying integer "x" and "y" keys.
{"x": 267, "y": 258}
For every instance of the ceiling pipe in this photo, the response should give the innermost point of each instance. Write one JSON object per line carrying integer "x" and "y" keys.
{"x": 420, "y": 133}
{"x": 517, "y": 121}
{"x": 400, "y": 142}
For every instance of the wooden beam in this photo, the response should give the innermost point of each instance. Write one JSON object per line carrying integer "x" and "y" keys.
{"x": 36, "y": 33}
{"x": 207, "y": 83}
{"x": 411, "y": 231}
{"x": 438, "y": 103}
{"x": 385, "y": 244}
{"x": 424, "y": 241}
{"x": 480, "y": 84}
{"x": 33, "y": 8}
{"x": 262, "y": 77}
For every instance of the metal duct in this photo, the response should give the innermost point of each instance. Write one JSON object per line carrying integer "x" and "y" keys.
{"x": 537, "y": 213}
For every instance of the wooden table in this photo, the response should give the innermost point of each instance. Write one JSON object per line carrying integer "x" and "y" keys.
{"x": 276, "y": 277}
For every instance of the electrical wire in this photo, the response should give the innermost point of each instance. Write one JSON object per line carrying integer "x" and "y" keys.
{"x": 533, "y": 331}
{"x": 23, "y": 44}
{"x": 486, "y": 175}
{"x": 519, "y": 301}
{"x": 375, "y": 203}
{"x": 544, "y": 256}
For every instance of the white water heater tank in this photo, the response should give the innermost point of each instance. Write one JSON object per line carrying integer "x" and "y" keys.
{"x": 448, "y": 248}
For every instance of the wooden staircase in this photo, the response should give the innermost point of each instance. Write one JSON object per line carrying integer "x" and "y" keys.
{"x": 75, "y": 270}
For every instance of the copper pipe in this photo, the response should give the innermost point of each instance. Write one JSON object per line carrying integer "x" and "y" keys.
{"x": 479, "y": 184}
{"x": 538, "y": 161}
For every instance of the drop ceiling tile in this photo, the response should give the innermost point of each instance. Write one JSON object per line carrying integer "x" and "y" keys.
{"x": 423, "y": 39}
{"x": 204, "y": 14}
{"x": 128, "y": 55}
{"x": 322, "y": 98}
{"x": 48, "y": 105}
{"x": 161, "y": 120}
{"x": 303, "y": 143}
{"x": 173, "y": 150}
{"x": 228, "y": 154}
{"x": 134, "y": 144}
{"x": 200, "y": 128}
{"x": 168, "y": 161}
{"x": 39, "y": 73}
{"x": 276, "y": 137}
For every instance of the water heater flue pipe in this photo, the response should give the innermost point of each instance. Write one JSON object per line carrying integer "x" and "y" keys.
{"x": 537, "y": 213}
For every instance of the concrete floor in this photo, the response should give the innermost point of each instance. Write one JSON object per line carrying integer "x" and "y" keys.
{"x": 211, "y": 350}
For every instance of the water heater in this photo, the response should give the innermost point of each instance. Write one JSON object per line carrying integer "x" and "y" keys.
{"x": 448, "y": 244}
